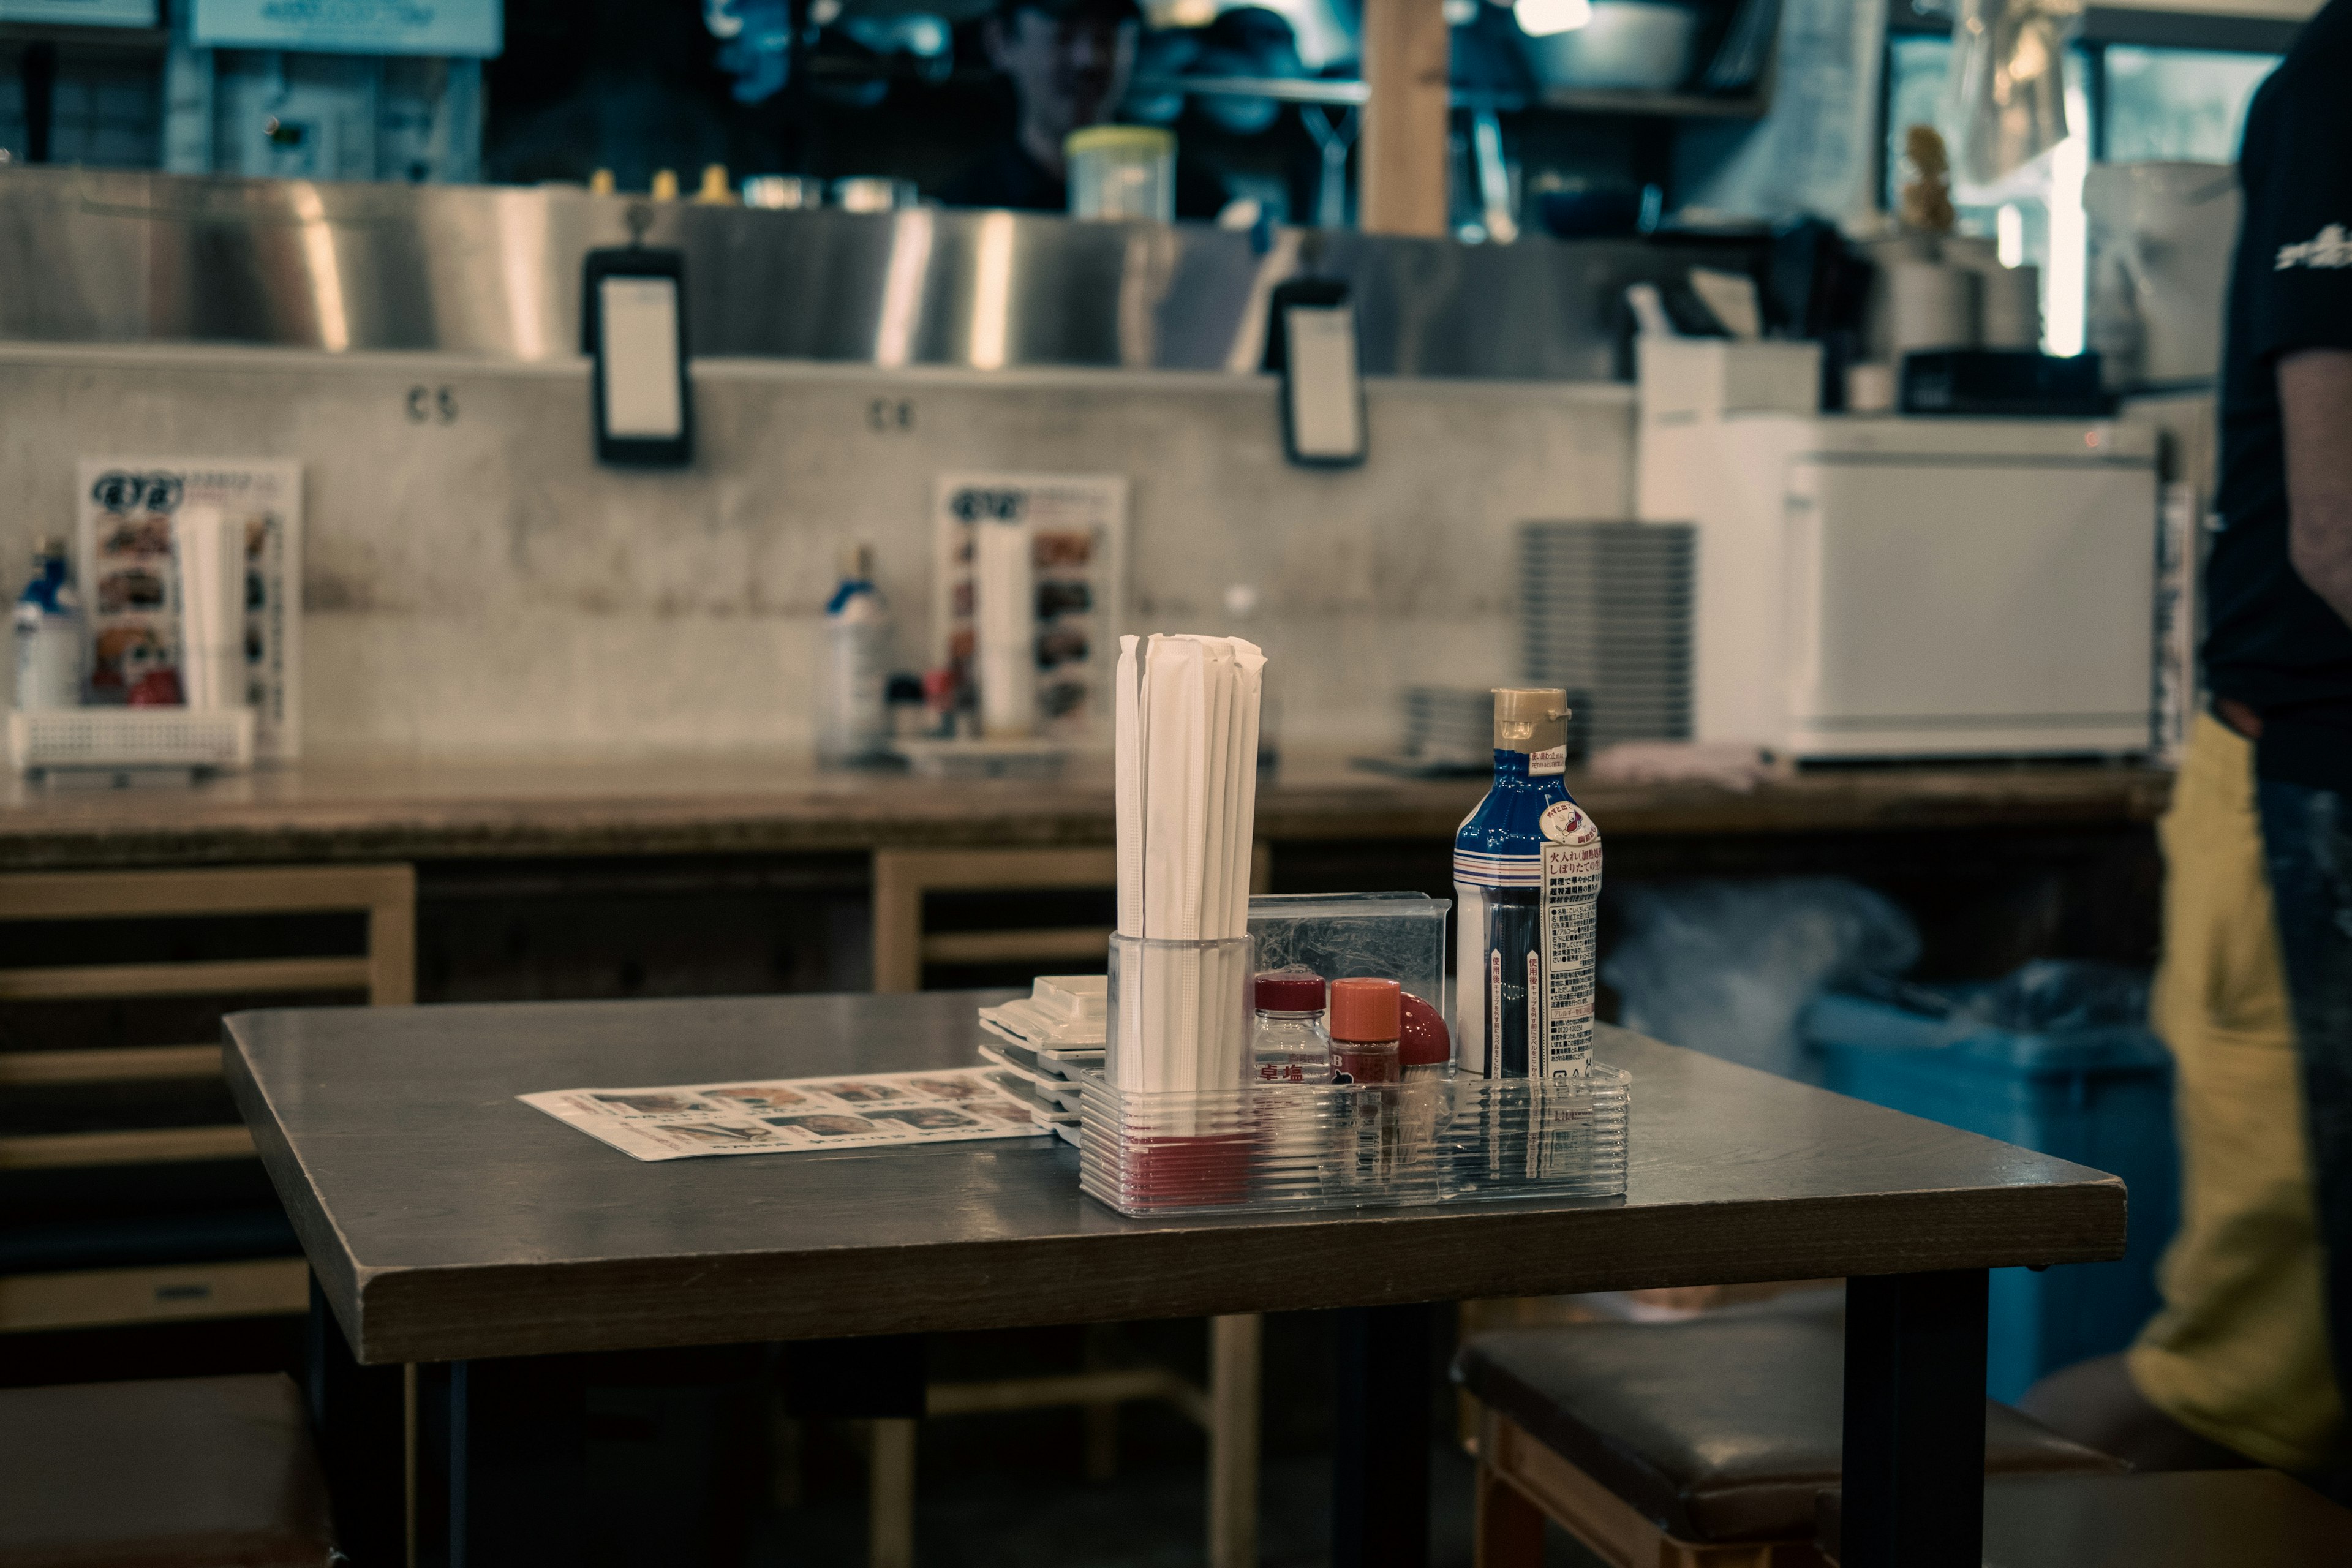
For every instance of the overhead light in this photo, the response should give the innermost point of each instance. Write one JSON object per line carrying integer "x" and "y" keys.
{"x": 1542, "y": 18}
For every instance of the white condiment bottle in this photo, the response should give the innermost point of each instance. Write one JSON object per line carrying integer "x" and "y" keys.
{"x": 48, "y": 628}
{"x": 854, "y": 722}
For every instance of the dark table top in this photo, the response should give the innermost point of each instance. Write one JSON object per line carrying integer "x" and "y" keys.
{"x": 446, "y": 1220}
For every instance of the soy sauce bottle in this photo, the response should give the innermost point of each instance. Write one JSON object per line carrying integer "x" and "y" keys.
{"x": 1526, "y": 878}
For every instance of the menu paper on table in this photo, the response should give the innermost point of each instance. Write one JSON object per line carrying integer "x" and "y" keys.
{"x": 784, "y": 1116}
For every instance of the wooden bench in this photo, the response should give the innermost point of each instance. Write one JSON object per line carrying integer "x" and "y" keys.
{"x": 1693, "y": 1445}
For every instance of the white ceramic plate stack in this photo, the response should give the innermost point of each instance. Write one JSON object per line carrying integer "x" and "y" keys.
{"x": 1449, "y": 725}
{"x": 1605, "y": 609}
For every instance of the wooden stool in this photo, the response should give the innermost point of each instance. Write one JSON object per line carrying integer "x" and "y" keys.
{"x": 2182, "y": 1518}
{"x": 201, "y": 1472}
{"x": 1691, "y": 1445}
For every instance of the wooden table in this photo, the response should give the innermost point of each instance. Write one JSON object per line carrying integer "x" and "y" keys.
{"x": 447, "y": 1222}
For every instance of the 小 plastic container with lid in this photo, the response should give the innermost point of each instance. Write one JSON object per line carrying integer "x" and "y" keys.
{"x": 1121, "y": 171}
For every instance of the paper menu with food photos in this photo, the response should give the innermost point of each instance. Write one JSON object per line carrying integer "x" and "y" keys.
{"x": 129, "y": 585}
{"x": 1078, "y": 526}
{"x": 765, "y": 1116}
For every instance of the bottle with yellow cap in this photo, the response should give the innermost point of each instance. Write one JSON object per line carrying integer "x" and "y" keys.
{"x": 1526, "y": 878}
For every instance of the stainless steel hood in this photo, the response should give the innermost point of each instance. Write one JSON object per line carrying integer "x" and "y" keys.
{"x": 92, "y": 256}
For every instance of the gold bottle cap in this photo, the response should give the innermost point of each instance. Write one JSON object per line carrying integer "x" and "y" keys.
{"x": 665, "y": 185}
{"x": 1530, "y": 717}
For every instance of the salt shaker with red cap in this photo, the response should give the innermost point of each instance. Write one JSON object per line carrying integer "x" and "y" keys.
{"x": 1288, "y": 1039}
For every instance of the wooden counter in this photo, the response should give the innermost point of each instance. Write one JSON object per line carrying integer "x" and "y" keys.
{"x": 403, "y": 811}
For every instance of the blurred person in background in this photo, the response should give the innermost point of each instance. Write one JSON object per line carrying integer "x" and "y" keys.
{"x": 1068, "y": 62}
{"x": 2246, "y": 1360}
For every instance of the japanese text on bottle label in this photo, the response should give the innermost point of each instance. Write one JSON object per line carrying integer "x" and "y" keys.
{"x": 1571, "y": 892}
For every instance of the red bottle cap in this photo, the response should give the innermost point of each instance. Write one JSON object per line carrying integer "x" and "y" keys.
{"x": 1424, "y": 1042}
{"x": 1292, "y": 990}
{"x": 1367, "y": 1010}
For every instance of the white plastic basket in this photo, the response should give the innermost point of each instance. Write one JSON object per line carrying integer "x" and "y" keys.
{"x": 61, "y": 739}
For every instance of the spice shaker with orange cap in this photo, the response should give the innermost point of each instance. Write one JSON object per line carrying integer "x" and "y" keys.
{"x": 1367, "y": 1022}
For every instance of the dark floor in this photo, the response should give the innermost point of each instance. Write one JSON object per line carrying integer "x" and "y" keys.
{"x": 1152, "y": 1517}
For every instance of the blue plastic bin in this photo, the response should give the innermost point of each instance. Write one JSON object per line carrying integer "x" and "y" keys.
{"x": 2099, "y": 1096}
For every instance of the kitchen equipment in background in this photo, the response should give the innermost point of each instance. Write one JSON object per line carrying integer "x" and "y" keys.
{"x": 783, "y": 192}
{"x": 873, "y": 194}
{"x": 1605, "y": 608}
{"x": 1897, "y": 587}
{"x": 1934, "y": 307}
{"x": 2003, "y": 383}
{"x": 1333, "y": 135}
{"x": 2161, "y": 236}
{"x": 1582, "y": 209}
{"x": 1696, "y": 378}
{"x": 1638, "y": 45}
{"x": 1745, "y": 49}
{"x": 1903, "y": 310}
{"x": 1871, "y": 388}
{"x": 891, "y": 290}
{"x": 1122, "y": 172}
{"x": 1499, "y": 220}
{"x": 2007, "y": 98}
{"x": 2009, "y": 314}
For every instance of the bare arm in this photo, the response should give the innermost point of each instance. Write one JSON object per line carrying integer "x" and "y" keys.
{"x": 2315, "y": 400}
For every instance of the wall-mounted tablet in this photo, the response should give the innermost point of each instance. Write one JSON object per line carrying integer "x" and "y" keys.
{"x": 1311, "y": 339}
{"x": 634, "y": 326}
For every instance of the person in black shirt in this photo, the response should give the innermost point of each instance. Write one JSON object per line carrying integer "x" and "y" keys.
{"x": 2254, "y": 994}
{"x": 1069, "y": 61}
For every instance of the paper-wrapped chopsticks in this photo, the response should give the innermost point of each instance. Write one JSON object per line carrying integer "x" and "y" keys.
{"x": 1185, "y": 719}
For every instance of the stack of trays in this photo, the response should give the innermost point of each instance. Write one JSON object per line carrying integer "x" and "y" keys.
{"x": 1043, "y": 1041}
{"x": 1449, "y": 725}
{"x": 1605, "y": 609}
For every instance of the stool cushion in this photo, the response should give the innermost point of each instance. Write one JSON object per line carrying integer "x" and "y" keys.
{"x": 2182, "y": 1518}
{"x": 201, "y": 1472}
{"x": 1717, "y": 1429}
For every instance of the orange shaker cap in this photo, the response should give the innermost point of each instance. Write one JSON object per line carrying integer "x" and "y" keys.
{"x": 1366, "y": 1010}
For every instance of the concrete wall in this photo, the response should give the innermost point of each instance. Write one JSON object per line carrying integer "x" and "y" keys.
{"x": 482, "y": 588}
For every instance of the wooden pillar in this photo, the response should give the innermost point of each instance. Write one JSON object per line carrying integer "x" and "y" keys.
{"x": 1401, "y": 159}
